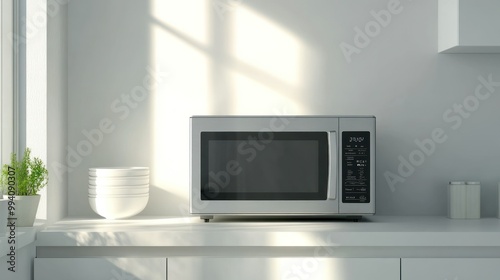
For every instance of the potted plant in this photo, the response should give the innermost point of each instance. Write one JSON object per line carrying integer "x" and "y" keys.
{"x": 30, "y": 176}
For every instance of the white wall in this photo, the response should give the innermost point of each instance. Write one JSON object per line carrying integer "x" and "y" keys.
{"x": 267, "y": 57}
{"x": 57, "y": 100}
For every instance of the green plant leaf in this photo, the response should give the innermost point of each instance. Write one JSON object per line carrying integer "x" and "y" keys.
{"x": 31, "y": 174}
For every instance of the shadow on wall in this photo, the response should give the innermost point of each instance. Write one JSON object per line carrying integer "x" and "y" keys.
{"x": 109, "y": 75}
{"x": 163, "y": 202}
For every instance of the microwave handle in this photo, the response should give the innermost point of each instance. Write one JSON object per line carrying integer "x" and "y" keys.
{"x": 332, "y": 176}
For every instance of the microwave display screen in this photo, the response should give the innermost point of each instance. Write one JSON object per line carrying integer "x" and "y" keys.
{"x": 264, "y": 165}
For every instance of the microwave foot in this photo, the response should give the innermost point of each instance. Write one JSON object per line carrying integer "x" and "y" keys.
{"x": 207, "y": 218}
{"x": 356, "y": 218}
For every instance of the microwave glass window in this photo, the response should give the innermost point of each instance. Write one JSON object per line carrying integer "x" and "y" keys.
{"x": 264, "y": 165}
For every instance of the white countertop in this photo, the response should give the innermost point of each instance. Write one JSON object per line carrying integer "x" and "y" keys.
{"x": 375, "y": 231}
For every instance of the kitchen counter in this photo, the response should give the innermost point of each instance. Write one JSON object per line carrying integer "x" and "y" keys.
{"x": 380, "y": 236}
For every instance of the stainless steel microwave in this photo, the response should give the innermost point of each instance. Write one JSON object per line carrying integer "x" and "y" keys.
{"x": 282, "y": 165}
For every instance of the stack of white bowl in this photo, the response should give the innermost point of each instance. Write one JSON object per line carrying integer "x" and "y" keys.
{"x": 118, "y": 192}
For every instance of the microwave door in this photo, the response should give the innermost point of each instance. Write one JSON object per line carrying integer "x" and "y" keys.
{"x": 332, "y": 163}
{"x": 235, "y": 166}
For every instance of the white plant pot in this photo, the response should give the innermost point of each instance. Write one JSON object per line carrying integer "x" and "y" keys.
{"x": 25, "y": 209}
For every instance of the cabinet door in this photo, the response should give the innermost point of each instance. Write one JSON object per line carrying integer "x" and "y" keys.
{"x": 100, "y": 268}
{"x": 23, "y": 264}
{"x": 283, "y": 268}
{"x": 450, "y": 269}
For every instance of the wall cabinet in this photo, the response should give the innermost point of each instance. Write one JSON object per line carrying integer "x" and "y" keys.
{"x": 100, "y": 268}
{"x": 450, "y": 269}
{"x": 200, "y": 268}
{"x": 468, "y": 26}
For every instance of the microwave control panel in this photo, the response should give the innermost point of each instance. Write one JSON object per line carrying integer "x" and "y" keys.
{"x": 356, "y": 167}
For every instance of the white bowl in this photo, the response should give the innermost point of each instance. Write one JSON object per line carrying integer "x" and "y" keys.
{"x": 118, "y": 191}
{"x": 119, "y": 195}
{"x": 119, "y": 171}
{"x": 118, "y": 207}
{"x": 133, "y": 187}
{"x": 122, "y": 181}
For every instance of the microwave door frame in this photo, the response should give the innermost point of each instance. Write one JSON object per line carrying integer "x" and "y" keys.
{"x": 333, "y": 172}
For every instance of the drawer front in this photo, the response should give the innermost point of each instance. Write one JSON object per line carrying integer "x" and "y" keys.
{"x": 450, "y": 269}
{"x": 100, "y": 268}
{"x": 198, "y": 268}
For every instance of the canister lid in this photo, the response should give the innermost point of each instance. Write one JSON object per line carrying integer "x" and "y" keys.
{"x": 472, "y": 183}
{"x": 457, "y": 183}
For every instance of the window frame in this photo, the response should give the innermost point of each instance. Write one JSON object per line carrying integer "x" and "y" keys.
{"x": 8, "y": 70}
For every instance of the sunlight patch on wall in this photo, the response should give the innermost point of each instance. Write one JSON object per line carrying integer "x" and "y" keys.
{"x": 189, "y": 17}
{"x": 261, "y": 43}
{"x": 183, "y": 94}
{"x": 260, "y": 73}
{"x": 251, "y": 97}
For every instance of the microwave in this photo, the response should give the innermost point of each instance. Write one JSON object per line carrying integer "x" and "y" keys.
{"x": 282, "y": 166}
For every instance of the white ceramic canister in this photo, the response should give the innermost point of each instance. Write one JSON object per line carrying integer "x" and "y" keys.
{"x": 499, "y": 200}
{"x": 473, "y": 202}
{"x": 456, "y": 200}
